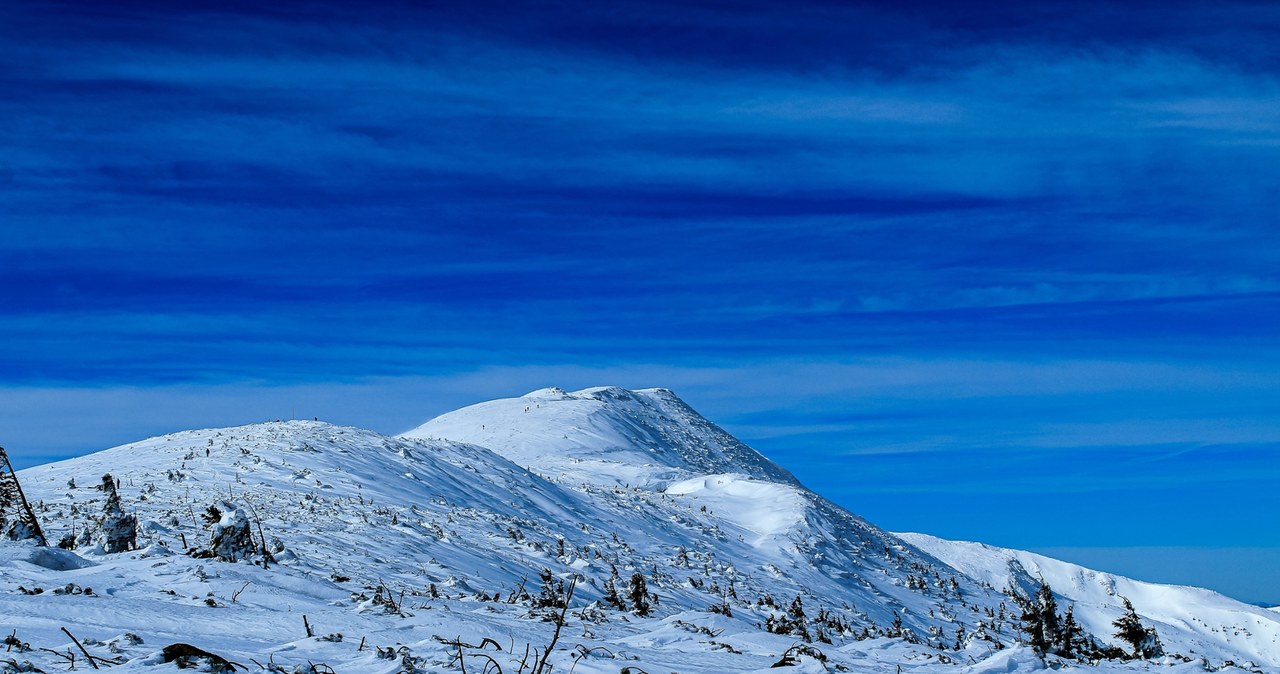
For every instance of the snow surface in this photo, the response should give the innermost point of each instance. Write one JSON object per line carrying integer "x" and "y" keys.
{"x": 1190, "y": 620}
{"x": 604, "y": 435}
{"x": 581, "y": 484}
{"x": 766, "y": 509}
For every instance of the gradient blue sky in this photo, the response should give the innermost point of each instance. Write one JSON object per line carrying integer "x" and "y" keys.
{"x": 1004, "y": 272}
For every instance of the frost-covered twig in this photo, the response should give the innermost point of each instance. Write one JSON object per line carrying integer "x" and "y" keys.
{"x": 490, "y": 662}
{"x": 76, "y": 641}
{"x": 540, "y": 667}
{"x": 581, "y": 652}
{"x": 458, "y": 642}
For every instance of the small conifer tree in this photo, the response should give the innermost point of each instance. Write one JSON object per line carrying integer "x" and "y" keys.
{"x": 1071, "y": 641}
{"x": 797, "y": 619}
{"x": 896, "y": 629}
{"x": 552, "y": 593}
{"x": 1039, "y": 618}
{"x": 1048, "y": 608}
{"x": 1129, "y": 629}
{"x": 611, "y": 595}
{"x": 638, "y": 593}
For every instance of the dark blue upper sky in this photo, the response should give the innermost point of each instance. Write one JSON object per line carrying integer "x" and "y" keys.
{"x": 1007, "y": 272}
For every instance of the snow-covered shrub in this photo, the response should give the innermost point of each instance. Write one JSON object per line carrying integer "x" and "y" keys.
{"x": 611, "y": 594}
{"x": 793, "y": 622}
{"x": 638, "y": 593}
{"x": 551, "y": 597}
{"x": 1144, "y": 640}
{"x": 17, "y": 521}
{"x": 118, "y": 531}
{"x": 231, "y": 539}
{"x": 20, "y": 531}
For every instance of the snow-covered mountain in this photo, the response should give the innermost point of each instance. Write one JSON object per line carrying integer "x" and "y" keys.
{"x": 1198, "y": 621}
{"x": 465, "y": 528}
{"x": 604, "y": 435}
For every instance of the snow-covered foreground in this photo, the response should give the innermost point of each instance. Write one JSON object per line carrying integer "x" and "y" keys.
{"x": 451, "y": 545}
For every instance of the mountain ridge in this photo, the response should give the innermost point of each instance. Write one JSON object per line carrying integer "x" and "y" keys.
{"x": 596, "y": 485}
{"x": 1103, "y": 593}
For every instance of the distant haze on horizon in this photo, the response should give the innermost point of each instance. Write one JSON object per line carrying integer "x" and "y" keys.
{"x": 1006, "y": 273}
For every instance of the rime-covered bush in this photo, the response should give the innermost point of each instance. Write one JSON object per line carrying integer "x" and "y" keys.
{"x": 118, "y": 531}
{"x": 1144, "y": 640}
{"x": 17, "y": 522}
{"x": 638, "y": 593}
{"x": 231, "y": 539}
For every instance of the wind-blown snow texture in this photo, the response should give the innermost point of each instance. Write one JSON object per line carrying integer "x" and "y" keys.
{"x": 1196, "y": 620}
{"x": 395, "y": 541}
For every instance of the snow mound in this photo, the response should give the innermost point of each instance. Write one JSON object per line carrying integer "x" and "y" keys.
{"x": 58, "y": 560}
{"x": 766, "y": 509}
{"x": 53, "y": 559}
{"x": 1020, "y": 659}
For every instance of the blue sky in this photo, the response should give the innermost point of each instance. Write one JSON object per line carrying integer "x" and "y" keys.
{"x": 998, "y": 272}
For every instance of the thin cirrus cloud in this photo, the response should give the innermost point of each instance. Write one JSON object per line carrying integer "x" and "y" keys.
{"x": 416, "y": 128}
{"x": 429, "y": 100}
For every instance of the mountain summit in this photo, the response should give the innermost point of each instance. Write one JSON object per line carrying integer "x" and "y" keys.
{"x": 603, "y": 435}
{"x": 657, "y": 539}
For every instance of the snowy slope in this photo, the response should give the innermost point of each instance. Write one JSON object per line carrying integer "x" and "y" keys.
{"x": 604, "y": 435}
{"x": 611, "y": 437}
{"x": 1190, "y": 620}
{"x": 410, "y": 515}
{"x": 406, "y": 543}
